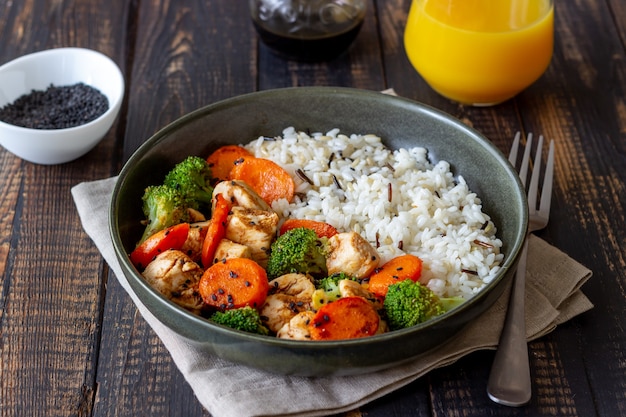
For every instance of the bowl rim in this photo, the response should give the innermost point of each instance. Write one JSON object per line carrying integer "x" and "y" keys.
{"x": 296, "y": 345}
{"x": 113, "y": 105}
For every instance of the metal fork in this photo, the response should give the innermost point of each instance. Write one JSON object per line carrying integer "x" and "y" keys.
{"x": 509, "y": 380}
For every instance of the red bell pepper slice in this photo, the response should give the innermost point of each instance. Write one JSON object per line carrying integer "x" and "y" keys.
{"x": 216, "y": 230}
{"x": 173, "y": 237}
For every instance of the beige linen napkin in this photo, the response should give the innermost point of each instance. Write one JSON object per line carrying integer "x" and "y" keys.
{"x": 229, "y": 390}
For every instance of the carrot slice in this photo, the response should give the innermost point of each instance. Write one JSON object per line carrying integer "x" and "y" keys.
{"x": 346, "y": 318}
{"x": 265, "y": 177}
{"x": 234, "y": 283}
{"x": 397, "y": 269}
{"x": 173, "y": 237}
{"x": 322, "y": 229}
{"x": 223, "y": 159}
{"x": 216, "y": 230}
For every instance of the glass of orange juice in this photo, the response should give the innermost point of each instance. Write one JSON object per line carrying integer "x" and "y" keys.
{"x": 480, "y": 52}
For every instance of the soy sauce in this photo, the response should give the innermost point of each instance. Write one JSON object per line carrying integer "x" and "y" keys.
{"x": 310, "y": 47}
{"x": 308, "y": 30}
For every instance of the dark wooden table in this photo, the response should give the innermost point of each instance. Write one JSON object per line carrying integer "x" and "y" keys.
{"x": 72, "y": 342}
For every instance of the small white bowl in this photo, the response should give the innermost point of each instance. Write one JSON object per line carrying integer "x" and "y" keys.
{"x": 59, "y": 67}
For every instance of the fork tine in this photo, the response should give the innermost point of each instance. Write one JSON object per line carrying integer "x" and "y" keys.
{"x": 546, "y": 188}
{"x": 523, "y": 172}
{"x": 514, "y": 148}
{"x": 534, "y": 179}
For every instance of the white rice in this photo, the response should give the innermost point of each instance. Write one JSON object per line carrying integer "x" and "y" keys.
{"x": 397, "y": 199}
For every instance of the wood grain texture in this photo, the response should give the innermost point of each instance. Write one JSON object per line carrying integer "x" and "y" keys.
{"x": 188, "y": 54}
{"x": 185, "y": 57}
{"x": 73, "y": 344}
{"x": 52, "y": 286}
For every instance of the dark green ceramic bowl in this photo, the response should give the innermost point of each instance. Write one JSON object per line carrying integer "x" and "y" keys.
{"x": 401, "y": 123}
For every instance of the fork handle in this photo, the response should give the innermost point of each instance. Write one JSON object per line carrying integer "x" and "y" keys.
{"x": 509, "y": 380}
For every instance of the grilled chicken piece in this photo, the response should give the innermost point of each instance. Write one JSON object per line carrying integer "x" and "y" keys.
{"x": 350, "y": 288}
{"x": 193, "y": 245}
{"x": 176, "y": 276}
{"x": 238, "y": 193}
{"x": 352, "y": 254}
{"x": 278, "y": 309}
{"x": 298, "y": 327}
{"x": 227, "y": 249}
{"x": 253, "y": 228}
{"x": 196, "y": 216}
{"x": 300, "y": 286}
{"x": 289, "y": 295}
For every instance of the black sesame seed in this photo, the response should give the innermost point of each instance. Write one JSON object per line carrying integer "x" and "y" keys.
{"x": 56, "y": 107}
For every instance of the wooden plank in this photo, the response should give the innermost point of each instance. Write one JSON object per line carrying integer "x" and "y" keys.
{"x": 50, "y": 317}
{"x": 548, "y": 101}
{"x": 590, "y": 195}
{"x": 412, "y": 400}
{"x": 618, "y": 11}
{"x": 184, "y": 57}
{"x": 135, "y": 370}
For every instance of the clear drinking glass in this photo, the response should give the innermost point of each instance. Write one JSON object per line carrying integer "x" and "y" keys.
{"x": 480, "y": 52}
{"x": 308, "y": 30}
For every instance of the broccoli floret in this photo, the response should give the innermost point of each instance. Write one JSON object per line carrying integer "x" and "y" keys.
{"x": 328, "y": 289}
{"x": 448, "y": 303}
{"x": 163, "y": 207}
{"x": 246, "y": 319}
{"x": 408, "y": 303}
{"x": 298, "y": 250}
{"x": 192, "y": 178}
{"x": 330, "y": 284}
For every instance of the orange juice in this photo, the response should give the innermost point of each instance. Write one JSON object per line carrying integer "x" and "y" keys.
{"x": 480, "y": 52}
